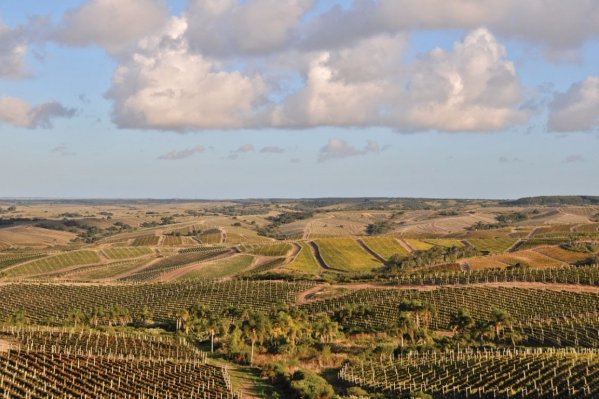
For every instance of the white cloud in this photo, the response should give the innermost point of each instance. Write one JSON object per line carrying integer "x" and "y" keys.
{"x": 473, "y": 87}
{"x": 112, "y": 24}
{"x": 163, "y": 86}
{"x": 19, "y": 113}
{"x": 577, "y": 109}
{"x": 339, "y": 148}
{"x": 556, "y": 25}
{"x": 232, "y": 27}
{"x": 182, "y": 154}
{"x": 13, "y": 51}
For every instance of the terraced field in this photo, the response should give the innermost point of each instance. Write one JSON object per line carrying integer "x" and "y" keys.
{"x": 305, "y": 262}
{"x": 126, "y": 252}
{"x": 276, "y": 249}
{"x": 385, "y": 246}
{"x": 212, "y": 236}
{"x": 444, "y": 242}
{"x": 54, "y": 263}
{"x": 146, "y": 240}
{"x": 493, "y": 245}
{"x": 170, "y": 240}
{"x": 221, "y": 268}
{"x": 418, "y": 245}
{"x": 346, "y": 254}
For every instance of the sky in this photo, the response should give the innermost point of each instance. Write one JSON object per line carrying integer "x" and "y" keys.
{"x": 298, "y": 98}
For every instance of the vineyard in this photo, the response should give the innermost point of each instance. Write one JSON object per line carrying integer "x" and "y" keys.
{"x": 305, "y": 262}
{"x": 52, "y": 303}
{"x": 509, "y": 373}
{"x": 53, "y": 263}
{"x": 385, "y": 246}
{"x": 324, "y": 298}
{"x": 46, "y": 363}
{"x": 523, "y": 305}
{"x": 345, "y": 254}
{"x": 146, "y": 240}
{"x": 126, "y": 252}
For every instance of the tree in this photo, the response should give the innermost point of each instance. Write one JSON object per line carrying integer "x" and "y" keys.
{"x": 255, "y": 328}
{"x": 461, "y": 321}
{"x": 76, "y": 316}
{"x": 499, "y": 319}
{"x": 404, "y": 326}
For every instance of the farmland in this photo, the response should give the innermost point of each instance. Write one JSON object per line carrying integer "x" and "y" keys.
{"x": 170, "y": 297}
{"x": 345, "y": 254}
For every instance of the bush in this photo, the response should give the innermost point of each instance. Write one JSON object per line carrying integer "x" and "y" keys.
{"x": 309, "y": 385}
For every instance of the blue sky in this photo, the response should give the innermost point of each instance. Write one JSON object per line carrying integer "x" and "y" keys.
{"x": 282, "y": 129}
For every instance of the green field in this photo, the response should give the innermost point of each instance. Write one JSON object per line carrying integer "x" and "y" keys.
{"x": 418, "y": 245}
{"x": 107, "y": 271}
{"x": 54, "y": 263}
{"x": 219, "y": 269}
{"x": 346, "y": 254}
{"x": 149, "y": 239}
{"x": 496, "y": 245}
{"x": 126, "y": 252}
{"x": 278, "y": 249}
{"x": 385, "y": 246}
{"x": 305, "y": 262}
{"x": 211, "y": 236}
{"x": 444, "y": 242}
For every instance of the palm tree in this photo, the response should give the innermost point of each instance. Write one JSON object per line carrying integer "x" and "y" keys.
{"x": 76, "y": 316}
{"x": 499, "y": 319}
{"x": 404, "y": 325}
{"x": 461, "y": 321}
{"x": 183, "y": 318}
{"x": 255, "y": 328}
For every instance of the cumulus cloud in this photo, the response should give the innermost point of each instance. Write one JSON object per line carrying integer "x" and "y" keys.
{"x": 182, "y": 154}
{"x": 233, "y": 27}
{"x": 572, "y": 23}
{"x": 164, "y": 86}
{"x": 577, "y": 109}
{"x": 19, "y": 113}
{"x": 473, "y": 87}
{"x": 339, "y": 148}
{"x": 112, "y": 24}
{"x": 13, "y": 51}
{"x": 271, "y": 149}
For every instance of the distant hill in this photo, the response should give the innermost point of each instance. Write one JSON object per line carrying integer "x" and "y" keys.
{"x": 556, "y": 200}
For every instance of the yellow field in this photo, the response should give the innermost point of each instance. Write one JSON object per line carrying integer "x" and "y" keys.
{"x": 305, "y": 262}
{"x": 385, "y": 246}
{"x": 346, "y": 254}
{"x": 126, "y": 252}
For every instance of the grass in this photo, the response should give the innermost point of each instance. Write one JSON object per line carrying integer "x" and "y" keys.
{"x": 385, "y": 246}
{"x": 54, "y": 263}
{"x": 346, "y": 254}
{"x": 305, "y": 262}
{"x": 126, "y": 252}
{"x": 221, "y": 268}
